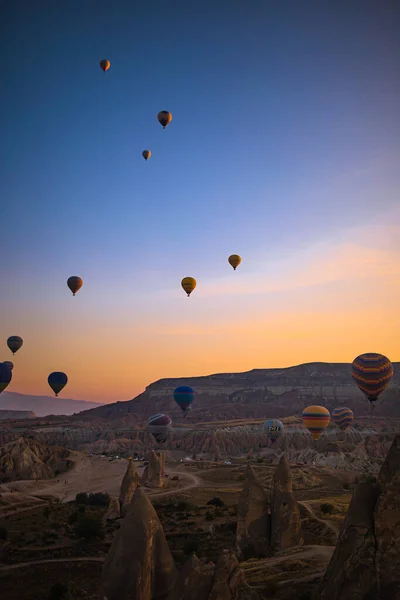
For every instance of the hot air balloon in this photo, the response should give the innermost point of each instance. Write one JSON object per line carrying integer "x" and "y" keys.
{"x": 184, "y": 396}
{"x": 14, "y": 343}
{"x": 146, "y": 154}
{"x": 372, "y": 373}
{"x": 164, "y": 118}
{"x": 159, "y": 426}
{"x": 57, "y": 381}
{"x": 9, "y": 364}
{"x": 74, "y": 283}
{"x": 343, "y": 417}
{"x": 5, "y": 376}
{"x": 105, "y": 64}
{"x": 234, "y": 260}
{"x": 273, "y": 428}
{"x": 316, "y": 419}
{"x": 188, "y": 284}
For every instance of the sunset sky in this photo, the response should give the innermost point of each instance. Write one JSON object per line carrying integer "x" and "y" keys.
{"x": 284, "y": 148}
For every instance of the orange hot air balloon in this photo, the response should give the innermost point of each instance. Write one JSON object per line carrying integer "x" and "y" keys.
{"x": 188, "y": 284}
{"x": 74, "y": 283}
{"x": 164, "y": 118}
{"x": 316, "y": 420}
{"x": 146, "y": 154}
{"x": 105, "y": 64}
{"x": 372, "y": 373}
{"x": 234, "y": 260}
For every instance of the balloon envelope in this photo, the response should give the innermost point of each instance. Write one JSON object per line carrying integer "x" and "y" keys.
{"x": 273, "y": 428}
{"x": 14, "y": 343}
{"x": 5, "y": 376}
{"x": 234, "y": 260}
{"x": 184, "y": 396}
{"x": 57, "y": 381}
{"x": 105, "y": 64}
{"x": 316, "y": 419}
{"x": 9, "y": 364}
{"x": 372, "y": 373}
{"x": 146, "y": 154}
{"x": 188, "y": 284}
{"x": 159, "y": 426}
{"x": 342, "y": 417}
{"x": 74, "y": 283}
{"x": 164, "y": 118}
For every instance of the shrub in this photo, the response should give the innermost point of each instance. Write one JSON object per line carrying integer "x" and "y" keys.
{"x": 88, "y": 528}
{"x": 184, "y": 506}
{"x": 370, "y": 478}
{"x": 46, "y": 512}
{"x": 81, "y": 498}
{"x": 3, "y": 533}
{"x": 97, "y": 499}
{"x": 58, "y": 591}
{"x": 327, "y": 508}
{"x": 73, "y": 518}
{"x": 346, "y": 486}
{"x": 216, "y": 502}
{"x": 209, "y": 516}
{"x": 190, "y": 546}
{"x": 82, "y": 509}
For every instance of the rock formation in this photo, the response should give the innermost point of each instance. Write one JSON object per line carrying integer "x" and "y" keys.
{"x": 29, "y": 459}
{"x": 285, "y": 512}
{"x": 128, "y": 486}
{"x": 366, "y": 561}
{"x": 253, "y": 526}
{"x": 114, "y": 510}
{"x": 16, "y": 414}
{"x": 139, "y": 565}
{"x": 225, "y": 581}
{"x": 153, "y": 474}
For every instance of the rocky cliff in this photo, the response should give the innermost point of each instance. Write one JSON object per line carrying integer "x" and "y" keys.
{"x": 253, "y": 530}
{"x": 153, "y": 474}
{"x": 14, "y": 415}
{"x": 256, "y": 393}
{"x": 285, "y": 513}
{"x": 29, "y": 459}
{"x": 128, "y": 486}
{"x": 366, "y": 561}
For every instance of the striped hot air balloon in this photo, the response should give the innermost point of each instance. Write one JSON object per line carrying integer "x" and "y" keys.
{"x": 316, "y": 420}
{"x": 184, "y": 396}
{"x": 372, "y": 373}
{"x": 343, "y": 417}
{"x": 159, "y": 426}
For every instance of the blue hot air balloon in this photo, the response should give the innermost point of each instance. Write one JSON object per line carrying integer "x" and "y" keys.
{"x": 273, "y": 428}
{"x": 343, "y": 417}
{"x": 159, "y": 426}
{"x": 57, "y": 381}
{"x": 5, "y": 376}
{"x": 184, "y": 396}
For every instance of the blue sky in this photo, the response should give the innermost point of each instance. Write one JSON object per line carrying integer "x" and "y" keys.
{"x": 285, "y": 135}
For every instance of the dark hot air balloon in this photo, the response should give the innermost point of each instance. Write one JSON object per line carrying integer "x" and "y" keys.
{"x": 372, "y": 373}
{"x": 9, "y": 364}
{"x": 57, "y": 381}
{"x": 164, "y": 118}
{"x": 105, "y": 64}
{"x": 188, "y": 284}
{"x": 184, "y": 396}
{"x": 5, "y": 376}
{"x": 146, "y": 154}
{"x": 159, "y": 426}
{"x": 234, "y": 260}
{"x": 14, "y": 343}
{"x": 316, "y": 419}
{"x": 342, "y": 417}
{"x": 74, "y": 283}
{"x": 273, "y": 428}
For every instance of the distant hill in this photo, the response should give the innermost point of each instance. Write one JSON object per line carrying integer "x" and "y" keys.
{"x": 260, "y": 393}
{"x": 44, "y": 405}
{"x": 16, "y": 414}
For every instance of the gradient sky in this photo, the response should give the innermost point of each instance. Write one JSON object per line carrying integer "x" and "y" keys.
{"x": 284, "y": 147}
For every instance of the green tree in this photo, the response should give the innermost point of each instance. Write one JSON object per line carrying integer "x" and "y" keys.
{"x": 327, "y": 508}
{"x": 89, "y": 528}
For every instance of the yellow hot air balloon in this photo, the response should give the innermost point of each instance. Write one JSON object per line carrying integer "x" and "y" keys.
{"x": 105, "y": 64}
{"x": 164, "y": 118}
{"x": 188, "y": 284}
{"x": 146, "y": 154}
{"x": 234, "y": 260}
{"x": 316, "y": 419}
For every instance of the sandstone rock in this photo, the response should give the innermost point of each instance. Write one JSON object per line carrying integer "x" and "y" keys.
{"x": 285, "y": 512}
{"x": 253, "y": 526}
{"x": 30, "y": 459}
{"x": 153, "y": 474}
{"x": 114, "y": 510}
{"x": 194, "y": 581}
{"x": 229, "y": 582}
{"x": 366, "y": 561}
{"x": 139, "y": 565}
{"x": 128, "y": 486}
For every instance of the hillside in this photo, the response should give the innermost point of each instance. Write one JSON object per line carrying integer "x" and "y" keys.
{"x": 14, "y": 415}
{"x": 30, "y": 459}
{"x": 257, "y": 394}
{"x": 44, "y": 405}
